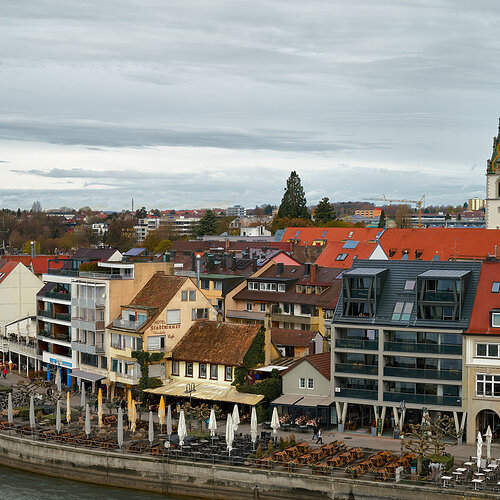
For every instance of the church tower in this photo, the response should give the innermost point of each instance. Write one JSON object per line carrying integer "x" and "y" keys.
{"x": 492, "y": 204}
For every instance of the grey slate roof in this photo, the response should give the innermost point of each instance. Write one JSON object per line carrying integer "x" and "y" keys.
{"x": 393, "y": 291}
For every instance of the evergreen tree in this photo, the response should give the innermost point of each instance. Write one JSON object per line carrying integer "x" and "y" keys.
{"x": 207, "y": 224}
{"x": 324, "y": 212}
{"x": 381, "y": 220}
{"x": 293, "y": 203}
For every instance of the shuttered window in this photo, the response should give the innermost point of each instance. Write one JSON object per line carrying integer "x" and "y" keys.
{"x": 173, "y": 317}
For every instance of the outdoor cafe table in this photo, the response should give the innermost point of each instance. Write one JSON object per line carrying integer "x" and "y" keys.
{"x": 461, "y": 469}
{"x": 469, "y": 464}
{"x": 476, "y": 482}
{"x": 478, "y": 474}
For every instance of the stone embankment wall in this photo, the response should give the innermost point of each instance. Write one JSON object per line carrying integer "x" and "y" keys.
{"x": 112, "y": 468}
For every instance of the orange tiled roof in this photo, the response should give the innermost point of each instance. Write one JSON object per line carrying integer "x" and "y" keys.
{"x": 308, "y": 235}
{"x": 333, "y": 250}
{"x": 158, "y": 291}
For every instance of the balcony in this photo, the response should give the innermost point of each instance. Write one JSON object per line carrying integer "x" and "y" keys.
{"x": 356, "y": 394}
{"x": 356, "y": 368}
{"x": 44, "y": 313}
{"x": 125, "y": 324}
{"x": 104, "y": 276}
{"x": 423, "y": 399}
{"x": 63, "y": 317}
{"x": 423, "y": 348}
{"x": 438, "y": 296}
{"x": 63, "y": 272}
{"x": 356, "y": 344}
{"x": 295, "y": 318}
{"x": 260, "y": 316}
{"x": 58, "y": 295}
{"x": 396, "y": 371}
{"x": 44, "y": 333}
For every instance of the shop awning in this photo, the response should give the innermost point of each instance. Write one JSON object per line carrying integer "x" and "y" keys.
{"x": 92, "y": 377}
{"x": 286, "y": 400}
{"x": 206, "y": 391}
{"x": 270, "y": 368}
{"x": 311, "y": 401}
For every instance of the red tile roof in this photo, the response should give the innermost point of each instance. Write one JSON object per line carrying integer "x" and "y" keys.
{"x": 40, "y": 263}
{"x": 216, "y": 343}
{"x": 308, "y": 235}
{"x": 329, "y": 255}
{"x": 6, "y": 269}
{"x": 158, "y": 291}
{"x": 485, "y": 300}
{"x": 295, "y": 338}
{"x": 320, "y": 361}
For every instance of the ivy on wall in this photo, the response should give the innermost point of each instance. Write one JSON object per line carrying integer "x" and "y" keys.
{"x": 145, "y": 358}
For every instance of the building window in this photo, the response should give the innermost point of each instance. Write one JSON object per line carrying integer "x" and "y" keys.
{"x": 173, "y": 317}
{"x": 89, "y": 359}
{"x": 487, "y": 385}
{"x": 203, "y": 370}
{"x": 495, "y": 320}
{"x": 495, "y": 287}
{"x": 192, "y": 295}
{"x": 281, "y": 287}
{"x": 175, "y": 368}
{"x": 199, "y": 314}
{"x": 184, "y": 296}
{"x": 341, "y": 256}
{"x": 253, "y": 286}
{"x": 298, "y": 288}
{"x": 228, "y": 373}
{"x": 213, "y": 372}
{"x": 248, "y": 306}
{"x": 189, "y": 369}
{"x": 410, "y": 285}
{"x": 302, "y": 383}
{"x": 487, "y": 350}
{"x": 205, "y": 284}
{"x": 104, "y": 362}
{"x": 218, "y": 285}
{"x": 262, "y": 307}
{"x": 310, "y": 383}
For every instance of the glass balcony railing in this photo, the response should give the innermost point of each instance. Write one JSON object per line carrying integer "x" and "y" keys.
{"x": 63, "y": 317}
{"x": 356, "y": 368}
{"x": 396, "y": 371}
{"x": 423, "y": 348}
{"x": 357, "y": 393}
{"x": 45, "y": 314}
{"x": 356, "y": 344}
{"x": 127, "y": 325}
{"x": 432, "y": 296}
{"x": 423, "y": 399}
{"x": 58, "y": 295}
{"x": 359, "y": 293}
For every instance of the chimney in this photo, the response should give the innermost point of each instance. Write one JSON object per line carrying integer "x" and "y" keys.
{"x": 233, "y": 263}
{"x": 313, "y": 272}
{"x": 254, "y": 264}
{"x": 280, "y": 268}
{"x": 193, "y": 259}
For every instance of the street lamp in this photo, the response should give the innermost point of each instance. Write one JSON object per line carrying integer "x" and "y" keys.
{"x": 401, "y": 410}
{"x": 190, "y": 388}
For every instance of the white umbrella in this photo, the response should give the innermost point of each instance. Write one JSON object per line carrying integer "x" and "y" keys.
{"x": 489, "y": 435}
{"x": 58, "y": 416}
{"x": 212, "y": 423}
{"x": 82, "y": 396}
{"x": 229, "y": 432}
{"x": 169, "y": 422}
{"x": 479, "y": 449}
{"x": 87, "y": 420}
{"x": 32, "y": 413}
{"x": 181, "y": 428}
{"x": 120, "y": 427}
{"x": 9, "y": 409}
{"x": 236, "y": 418}
{"x": 254, "y": 432}
{"x": 151, "y": 430}
{"x": 275, "y": 421}
{"x": 58, "y": 380}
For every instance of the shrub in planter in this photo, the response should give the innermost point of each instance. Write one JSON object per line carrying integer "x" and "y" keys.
{"x": 442, "y": 459}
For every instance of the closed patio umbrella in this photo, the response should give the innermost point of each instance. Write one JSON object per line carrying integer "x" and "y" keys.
{"x": 229, "y": 432}
{"x": 489, "y": 436}
{"x": 58, "y": 380}
{"x": 87, "y": 420}
{"x": 212, "y": 423}
{"x": 275, "y": 421}
{"x": 82, "y": 395}
{"x": 68, "y": 408}
{"x": 151, "y": 430}
{"x": 129, "y": 402}
{"x": 254, "y": 431}
{"x": 169, "y": 422}
{"x": 181, "y": 428}
{"x": 479, "y": 448}
{"x": 119, "y": 431}
{"x": 132, "y": 416}
{"x": 32, "y": 413}
{"x": 58, "y": 416}
{"x": 10, "y": 415}
{"x": 235, "y": 418}
{"x": 161, "y": 413}
{"x": 99, "y": 407}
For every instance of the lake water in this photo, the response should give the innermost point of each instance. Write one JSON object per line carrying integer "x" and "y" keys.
{"x": 19, "y": 485}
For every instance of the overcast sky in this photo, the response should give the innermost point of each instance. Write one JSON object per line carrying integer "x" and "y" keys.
{"x": 211, "y": 103}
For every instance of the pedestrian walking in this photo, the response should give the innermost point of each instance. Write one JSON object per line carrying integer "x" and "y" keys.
{"x": 315, "y": 432}
{"x": 320, "y": 437}
{"x": 5, "y": 371}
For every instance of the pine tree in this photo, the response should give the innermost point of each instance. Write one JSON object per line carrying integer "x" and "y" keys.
{"x": 324, "y": 212}
{"x": 293, "y": 203}
{"x": 381, "y": 220}
{"x": 208, "y": 224}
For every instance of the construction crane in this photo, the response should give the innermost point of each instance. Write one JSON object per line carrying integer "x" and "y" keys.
{"x": 419, "y": 204}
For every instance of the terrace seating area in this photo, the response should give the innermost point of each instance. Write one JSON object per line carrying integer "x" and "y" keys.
{"x": 470, "y": 476}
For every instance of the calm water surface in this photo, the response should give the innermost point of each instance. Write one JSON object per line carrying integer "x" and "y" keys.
{"x": 19, "y": 485}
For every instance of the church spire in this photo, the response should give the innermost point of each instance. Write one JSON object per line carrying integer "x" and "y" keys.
{"x": 493, "y": 165}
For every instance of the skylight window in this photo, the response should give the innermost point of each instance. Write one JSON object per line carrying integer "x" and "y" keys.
{"x": 410, "y": 285}
{"x": 402, "y": 311}
{"x": 495, "y": 287}
{"x": 350, "y": 234}
{"x": 398, "y": 309}
{"x": 297, "y": 234}
{"x": 408, "y": 308}
{"x": 323, "y": 234}
{"x": 341, "y": 256}
{"x": 350, "y": 244}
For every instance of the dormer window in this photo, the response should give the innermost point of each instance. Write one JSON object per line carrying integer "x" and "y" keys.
{"x": 361, "y": 291}
{"x": 298, "y": 288}
{"x": 495, "y": 287}
{"x": 495, "y": 319}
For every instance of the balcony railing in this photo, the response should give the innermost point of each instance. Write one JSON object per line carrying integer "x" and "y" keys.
{"x": 423, "y": 399}
{"x": 356, "y": 393}
{"x": 423, "y": 348}
{"x": 356, "y": 368}
{"x": 99, "y": 347}
{"x": 396, "y": 371}
{"x": 58, "y": 295}
{"x": 63, "y": 272}
{"x": 63, "y": 317}
{"x": 45, "y": 314}
{"x": 126, "y": 324}
{"x": 439, "y": 296}
{"x": 44, "y": 333}
{"x": 356, "y": 344}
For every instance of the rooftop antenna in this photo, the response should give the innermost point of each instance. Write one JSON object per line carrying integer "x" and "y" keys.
{"x": 132, "y": 205}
